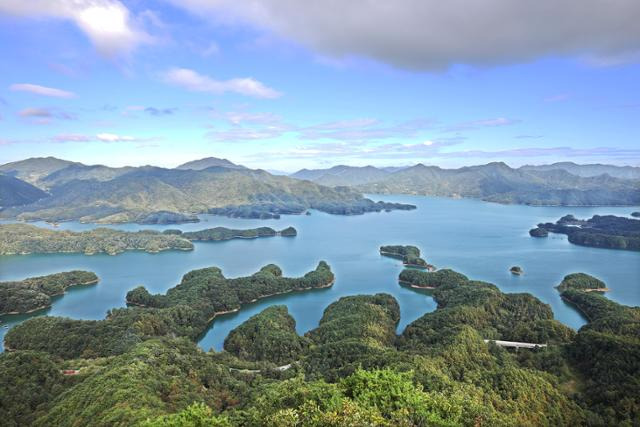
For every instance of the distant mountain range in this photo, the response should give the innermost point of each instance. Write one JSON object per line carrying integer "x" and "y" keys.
{"x": 52, "y": 189}
{"x": 557, "y": 184}
{"x": 622, "y": 172}
{"x": 150, "y": 194}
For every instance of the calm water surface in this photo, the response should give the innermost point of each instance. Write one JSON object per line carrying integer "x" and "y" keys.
{"x": 481, "y": 240}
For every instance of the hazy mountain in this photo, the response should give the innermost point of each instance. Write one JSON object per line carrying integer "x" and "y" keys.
{"x": 209, "y": 162}
{"x": 15, "y": 192}
{"x": 342, "y": 175}
{"x": 82, "y": 172}
{"x": 622, "y": 172}
{"x": 34, "y": 169}
{"x": 539, "y": 185}
{"x": 499, "y": 183}
{"x": 134, "y": 194}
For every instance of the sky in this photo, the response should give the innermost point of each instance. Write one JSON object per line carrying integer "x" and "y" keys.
{"x": 284, "y": 84}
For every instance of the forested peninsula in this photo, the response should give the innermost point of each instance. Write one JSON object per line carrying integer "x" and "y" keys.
{"x": 35, "y": 293}
{"x": 600, "y": 231}
{"x": 141, "y": 366}
{"x": 23, "y": 239}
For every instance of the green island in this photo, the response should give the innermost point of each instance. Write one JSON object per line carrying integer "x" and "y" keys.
{"x": 410, "y": 255}
{"x": 142, "y": 367}
{"x": 35, "y": 293}
{"x": 516, "y": 270}
{"x": 582, "y": 282}
{"x": 223, "y": 233}
{"x": 600, "y": 231}
{"x": 23, "y": 239}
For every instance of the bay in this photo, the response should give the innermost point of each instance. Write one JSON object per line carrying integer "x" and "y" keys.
{"x": 482, "y": 240}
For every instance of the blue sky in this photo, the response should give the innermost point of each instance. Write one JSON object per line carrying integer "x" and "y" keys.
{"x": 269, "y": 84}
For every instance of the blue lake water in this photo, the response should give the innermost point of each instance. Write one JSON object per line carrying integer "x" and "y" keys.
{"x": 481, "y": 240}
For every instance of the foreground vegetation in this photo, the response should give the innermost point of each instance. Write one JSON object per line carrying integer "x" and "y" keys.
{"x": 607, "y": 231}
{"x": 35, "y": 293}
{"x": 141, "y": 366}
{"x": 27, "y": 239}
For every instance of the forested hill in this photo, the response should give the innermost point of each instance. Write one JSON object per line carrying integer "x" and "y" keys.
{"x": 141, "y": 366}
{"x": 495, "y": 182}
{"x": 108, "y": 195}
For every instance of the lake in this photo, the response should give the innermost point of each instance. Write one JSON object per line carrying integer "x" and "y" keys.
{"x": 482, "y": 240}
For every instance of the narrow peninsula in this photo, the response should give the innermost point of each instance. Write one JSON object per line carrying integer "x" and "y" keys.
{"x": 410, "y": 256}
{"x": 35, "y": 293}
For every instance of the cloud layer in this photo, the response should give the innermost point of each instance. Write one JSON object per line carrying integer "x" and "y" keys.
{"x": 435, "y": 34}
{"x": 107, "y": 23}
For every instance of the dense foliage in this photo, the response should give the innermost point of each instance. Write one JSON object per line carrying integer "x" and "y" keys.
{"x": 607, "y": 231}
{"x": 581, "y": 281}
{"x": 267, "y": 336}
{"x": 431, "y": 279}
{"x": 351, "y": 370}
{"x": 607, "y": 354}
{"x": 410, "y": 255}
{"x": 35, "y": 292}
{"x": 185, "y": 311}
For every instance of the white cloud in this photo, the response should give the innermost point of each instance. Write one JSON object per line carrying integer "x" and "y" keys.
{"x": 107, "y": 23}
{"x": 41, "y": 90}
{"x": 195, "y": 82}
{"x": 435, "y": 34}
{"x": 112, "y": 137}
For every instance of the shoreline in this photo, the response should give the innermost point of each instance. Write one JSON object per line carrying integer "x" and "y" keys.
{"x": 404, "y": 282}
{"x": 235, "y": 310}
{"x": 13, "y": 313}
